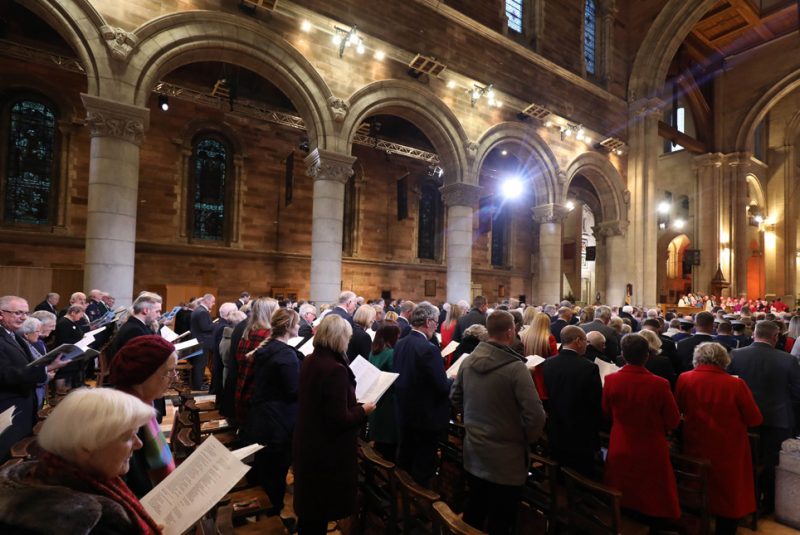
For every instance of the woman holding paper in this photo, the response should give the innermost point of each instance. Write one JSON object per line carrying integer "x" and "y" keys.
{"x": 325, "y": 439}
{"x": 361, "y": 341}
{"x": 75, "y": 485}
{"x": 273, "y": 408}
{"x": 145, "y": 368}
{"x": 383, "y": 422}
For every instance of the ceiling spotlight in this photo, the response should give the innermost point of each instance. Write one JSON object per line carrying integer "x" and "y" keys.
{"x": 337, "y": 39}
{"x": 548, "y": 124}
{"x": 360, "y": 48}
{"x": 587, "y": 140}
{"x": 305, "y": 26}
{"x": 570, "y": 205}
{"x": 511, "y": 188}
{"x": 163, "y": 102}
{"x": 504, "y": 152}
{"x": 664, "y": 207}
{"x": 498, "y": 103}
{"x": 678, "y": 224}
{"x": 759, "y": 218}
{"x": 619, "y": 152}
{"x": 451, "y": 84}
{"x": 379, "y": 55}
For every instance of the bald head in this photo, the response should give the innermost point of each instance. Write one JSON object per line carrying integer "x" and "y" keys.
{"x": 596, "y": 340}
{"x": 573, "y": 338}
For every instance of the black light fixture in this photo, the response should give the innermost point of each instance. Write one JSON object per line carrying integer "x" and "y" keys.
{"x": 163, "y": 102}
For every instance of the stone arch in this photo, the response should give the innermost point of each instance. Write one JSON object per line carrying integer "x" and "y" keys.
{"x": 199, "y": 125}
{"x": 81, "y": 26}
{"x": 527, "y": 139}
{"x": 34, "y": 84}
{"x": 178, "y": 39}
{"x": 755, "y": 184}
{"x": 745, "y": 135}
{"x": 668, "y": 31}
{"x": 417, "y": 104}
{"x": 606, "y": 181}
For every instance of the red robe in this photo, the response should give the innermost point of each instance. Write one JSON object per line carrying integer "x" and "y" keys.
{"x": 643, "y": 411}
{"x": 717, "y": 410}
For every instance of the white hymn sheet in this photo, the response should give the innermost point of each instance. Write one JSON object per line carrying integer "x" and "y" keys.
{"x": 294, "y": 341}
{"x": 531, "y": 361}
{"x": 194, "y": 487}
{"x": 450, "y": 348}
{"x": 371, "y": 334}
{"x": 452, "y": 371}
{"x": 94, "y": 332}
{"x": 606, "y": 368}
{"x": 168, "y": 334}
{"x": 6, "y": 418}
{"x": 371, "y": 383}
{"x": 307, "y": 348}
{"x": 84, "y": 342}
{"x": 187, "y": 344}
{"x": 247, "y": 451}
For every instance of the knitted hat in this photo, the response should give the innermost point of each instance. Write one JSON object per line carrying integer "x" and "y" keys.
{"x": 138, "y": 359}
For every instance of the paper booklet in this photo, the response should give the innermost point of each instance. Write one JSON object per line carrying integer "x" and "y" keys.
{"x": 187, "y": 344}
{"x": 371, "y": 383}
{"x": 102, "y": 321}
{"x": 452, "y": 371}
{"x": 7, "y": 418}
{"x": 531, "y": 361}
{"x": 371, "y": 334}
{"x": 171, "y": 336}
{"x": 452, "y": 346}
{"x": 308, "y": 347}
{"x": 606, "y": 368}
{"x": 194, "y": 487}
{"x": 78, "y": 351}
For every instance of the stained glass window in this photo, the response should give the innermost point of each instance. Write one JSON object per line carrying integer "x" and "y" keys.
{"x": 209, "y": 185}
{"x": 514, "y": 15}
{"x": 590, "y": 35}
{"x": 430, "y": 210}
{"x": 30, "y": 168}
{"x": 500, "y": 236}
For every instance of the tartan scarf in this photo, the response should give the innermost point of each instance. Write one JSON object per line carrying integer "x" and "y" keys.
{"x": 53, "y": 468}
{"x": 156, "y": 451}
{"x": 246, "y": 371}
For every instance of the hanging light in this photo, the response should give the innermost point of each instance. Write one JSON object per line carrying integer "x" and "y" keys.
{"x": 163, "y": 102}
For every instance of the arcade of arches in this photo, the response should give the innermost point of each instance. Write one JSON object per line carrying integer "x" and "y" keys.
{"x": 305, "y": 147}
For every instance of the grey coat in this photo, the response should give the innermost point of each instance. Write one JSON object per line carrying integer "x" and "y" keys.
{"x": 502, "y": 413}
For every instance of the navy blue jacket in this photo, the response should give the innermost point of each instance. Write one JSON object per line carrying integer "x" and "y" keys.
{"x": 202, "y": 327}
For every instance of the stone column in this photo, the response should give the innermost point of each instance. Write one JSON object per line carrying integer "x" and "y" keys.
{"x": 736, "y": 186}
{"x": 611, "y": 267}
{"x": 710, "y": 231}
{"x": 117, "y": 131}
{"x": 460, "y": 200}
{"x": 642, "y": 167}
{"x": 550, "y": 217}
{"x": 330, "y": 171}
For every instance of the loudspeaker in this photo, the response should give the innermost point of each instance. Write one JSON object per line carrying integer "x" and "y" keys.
{"x": 591, "y": 253}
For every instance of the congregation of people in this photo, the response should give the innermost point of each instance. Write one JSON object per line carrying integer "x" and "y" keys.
{"x": 697, "y": 383}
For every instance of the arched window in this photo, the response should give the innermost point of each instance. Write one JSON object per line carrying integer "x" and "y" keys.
{"x": 210, "y": 183}
{"x": 430, "y": 221}
{"x": 500, "y": 234}
{"x": 514, "y": 15}
{"x": 30, "y": 163}
{"x": 590, "y": 36}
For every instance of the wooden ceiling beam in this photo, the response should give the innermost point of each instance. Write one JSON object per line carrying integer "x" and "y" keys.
{"x": 679, "y": 138}
{"x": 753, "y": 19}
{"x": 701, "y": 111}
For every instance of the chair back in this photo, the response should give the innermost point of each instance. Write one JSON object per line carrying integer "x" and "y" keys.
{"x": 540, "y": 492}
{"x": 451, "y": 480}
{"x": 447, "y": 522}
{"x": 378, "y": 490}
{"x": 691, "y": 476}
{"x": 416, "y": 504}
{"x": 592, "y": 508}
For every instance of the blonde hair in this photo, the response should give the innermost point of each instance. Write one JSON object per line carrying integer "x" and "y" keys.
{"x": 261, "y": 312}
{"x": 364, "y": 316}
{"x": 652, "y": 340}
{"x": 536, "y": 337}
{"x": 616, "y": 323}
{"x": 90, "y": 418}
{"x": 711, "y": 353}
{"x": 528, "y": 315}
{"x": 391, "y": 316}
{"x": 333, "y": 333}
{"x": 453, "y": 315}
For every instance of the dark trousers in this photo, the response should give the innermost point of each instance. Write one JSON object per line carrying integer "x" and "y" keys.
{"x": 312, "y": 526}
{"x": 416, "y": 453}
{"x": 199, "y": 369}
{"x": 770, "y": 439}
{"x": 272, "y": 464}
{"x": 491, "y": 507}
{"x": 726, "y": 526}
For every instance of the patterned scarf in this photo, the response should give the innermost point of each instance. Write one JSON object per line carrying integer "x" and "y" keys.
{"x": 156, "y": 451}
{"x": 52, "y": 468}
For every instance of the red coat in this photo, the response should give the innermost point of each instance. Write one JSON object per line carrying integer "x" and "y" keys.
{"x": 717, "y": 410}
{"x": 642, "y": 410}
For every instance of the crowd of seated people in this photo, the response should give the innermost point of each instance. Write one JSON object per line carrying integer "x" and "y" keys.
{"x": 664, "y": 369}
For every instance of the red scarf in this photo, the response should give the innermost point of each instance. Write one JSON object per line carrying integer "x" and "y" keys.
{"x": 54, "y": 468}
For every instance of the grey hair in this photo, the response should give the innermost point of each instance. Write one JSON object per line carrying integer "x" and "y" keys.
{"x": 477, "y": 331}
{"x": 308, "y": 308}
{"x": 6, "y": 300}
{"x": 346, "y": 296}
{"x": 90, "y": 418}
{"x": 711, "y": 353}
{"x": 766, "y": 329}
{"x": 225, "y": 309}
{"x": 145, "y": 300}
{"x": 602, "y": 312}
{"x": 794, "y": 327}
{"x": 30, "y": 325}
{"x": 44, "y": 316}
{"x": 423, "y": 313}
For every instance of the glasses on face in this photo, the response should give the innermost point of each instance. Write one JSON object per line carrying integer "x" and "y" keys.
{"x": 17, "y": 313}
{"x": 171, "y": 374}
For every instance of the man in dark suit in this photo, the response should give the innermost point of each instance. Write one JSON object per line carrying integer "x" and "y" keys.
{"x": 146, "y": 310}
{"x": 602, "y": 315}
{"x": 477, "y": 314}
{"x": 596, "y": 347}
{"x": 403, "y": 317}
{"x": 564, "y": 318}
{"x": 49, "y": 304}
{"x": 774, "y": 378}
{"x": 668, "y": 348}
{"x": 573, "y": 404}
{"x": 704, "y": 328}
{"x": 627, "y": 312}
{"x": 244, "y": 298}
{"x": 308, "y": 313}
{"x": 17, "y": 380}
{"x": 345, "y": 306}
{"x": 96, "y": 308}
{"x": 202, "y": 328}
{"x": 421, "y": 394}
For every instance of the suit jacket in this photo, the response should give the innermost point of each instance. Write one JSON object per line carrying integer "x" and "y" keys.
{"x": 574, "y": 410}
{"x": 612, "y": 337}
{"x": 634, "y": 322}
{"x": 360, "y": 344}
{"x": 660, "y": 365}
{"x": 555, "y": 328}
{"x": 405, "y": 326}
{"x": 339, "y": 311}
{"x": 95, "y": 310}
{"x": 17, "y": 388}
{"x": 422, "y": 390}
{"x": 686, "y": 350}
{"x": 202, "y": 327}
{"x": 670, "y": 350}
{"x": 306, "y": 329}
{"x": 471, "y": 318}
{"x": 130, "y": 329}
{"x": 67, "y": 331}
{"x": 774, "y": 378}
{"x": 45, "y": 305}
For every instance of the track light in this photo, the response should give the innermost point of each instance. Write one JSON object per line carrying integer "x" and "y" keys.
{"x": 163, "y": 102}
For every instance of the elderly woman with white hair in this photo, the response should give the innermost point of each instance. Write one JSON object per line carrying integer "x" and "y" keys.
{"x": 717, "y": 410}
{"x": 658, "y": 363}
{"x": 75, "y": 485}
{"x": 31, "y": 332}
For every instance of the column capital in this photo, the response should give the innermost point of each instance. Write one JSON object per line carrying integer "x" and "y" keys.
{"x": 647, "y": 107}
{"x": 711, "y": 159}
{"x": 460, "y": 194}
{"x": 109, "y": 118}
{"x": 735, "y": 159}
{"x": 550, "y": 213}
{"x": 607, "y": 229}
{"x": 328, "y": 165}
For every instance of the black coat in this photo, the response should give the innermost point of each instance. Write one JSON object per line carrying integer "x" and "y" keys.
{"x": 273, "y": 407}
{"x": 342, "y": 313}
{"x": 360, "y": 343}
{"x": 44, "y": 305}
{"x": 555, "y": 328}
{"x": 325, "y": 458}
{"x": 131, "y": 329}
{"x": 67, "y": 331}
{"x": 660, "y": 365}
{"x": 685, "y": 350}
{"x": 474, "y": 316}
{"x": 405, "y": 326}
{"x": 612, "y": 337}
{"x": 202, "y": 327}
{"x": 306, "y": 329}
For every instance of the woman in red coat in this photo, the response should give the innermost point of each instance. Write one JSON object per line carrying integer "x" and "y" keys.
{"x": 717, "y": 410}
{"x": 642, "y": 410}
{"x": 326, "y": 432}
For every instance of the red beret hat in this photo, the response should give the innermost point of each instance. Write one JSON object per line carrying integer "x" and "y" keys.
{"x": 138, "y": 359}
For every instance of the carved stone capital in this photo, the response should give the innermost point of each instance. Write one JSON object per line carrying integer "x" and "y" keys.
{"x": 610, "y": 228}
{"x": 460, "y": 194}
{"x": 712, "y": 159}
{"x": 550, "y": 213}
{"x": 339, "y": 108}
{"x": 328, "y": 165}
{"x": 472, "y": 149}
{"x": 108, "y": 118}
{"x": 647, "y": 107}
{"x": 120, "y": 42}
{"x": 735, "y": 159}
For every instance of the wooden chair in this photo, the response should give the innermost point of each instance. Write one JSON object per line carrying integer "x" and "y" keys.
{"x": 447, "y": 522}
{"x": 416, "y": 504}
{"x": 219, "y": 521}
{"x": 378, "y": 490}
{"x": 541, "y": 492}
{"x": 451, "y": 480}
{"x": 691, "y": 476}
{"x": 26, "y": 448}
{"x": 594, "y": 509}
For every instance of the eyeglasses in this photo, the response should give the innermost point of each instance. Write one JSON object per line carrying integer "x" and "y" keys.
{"x": 172, "y": 374}
{"x": 17, "y": 313}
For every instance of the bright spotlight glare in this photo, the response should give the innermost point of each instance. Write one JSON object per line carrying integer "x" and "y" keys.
{"x": 305, "y": 26}
{"x": 759, "y": 219}
{"x": 663, "y": 207}
{"x": 337, "y": 39}
{"x": 570, "y": 205}
{"x": 679, "y": 224}
{"x": 451, "y": 84}
{"x": 379, "y": 55}
{"x": 512, "y": 188}
{"x": 360, "y": 48}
